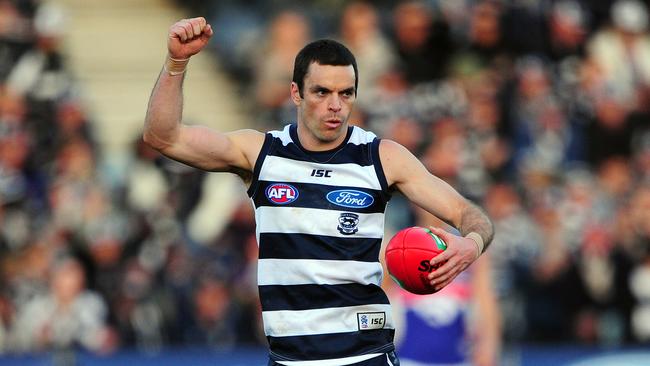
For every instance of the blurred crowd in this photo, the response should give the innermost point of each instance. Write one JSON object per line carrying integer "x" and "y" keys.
{"x": 86, "y": 259}
{"x": 537, "y": 110}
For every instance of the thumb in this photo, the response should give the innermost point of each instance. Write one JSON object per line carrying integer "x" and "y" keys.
{"x": 207, "y": 31}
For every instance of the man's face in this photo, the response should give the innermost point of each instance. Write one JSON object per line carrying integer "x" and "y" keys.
{"x": 324, "y": 109}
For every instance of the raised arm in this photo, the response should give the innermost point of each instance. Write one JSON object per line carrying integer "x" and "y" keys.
{"x": 409, "y": 176}
{"x": 197, "y": 146}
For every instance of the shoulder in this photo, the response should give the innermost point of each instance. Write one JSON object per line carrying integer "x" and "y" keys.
{"x": 398, "y": 162}
{"x": 247, "y": 138}
{"x": 248, "y": 143}
{"x": 248, "y": 133}
{"x": 390, "y": 150}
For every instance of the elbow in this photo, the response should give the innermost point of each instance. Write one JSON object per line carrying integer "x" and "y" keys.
{"x": 157, "y": 134}
{"x": 153, "y": 141}
{"x": 149, "y": 140}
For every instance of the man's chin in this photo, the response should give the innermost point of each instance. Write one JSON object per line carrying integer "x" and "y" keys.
{"x": 329, "y": 136}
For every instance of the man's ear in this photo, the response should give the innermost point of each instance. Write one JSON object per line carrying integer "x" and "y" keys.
{"x": 295, "y": 94}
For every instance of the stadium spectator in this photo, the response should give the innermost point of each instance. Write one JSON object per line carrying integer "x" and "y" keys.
{"x": 67, "y": 315}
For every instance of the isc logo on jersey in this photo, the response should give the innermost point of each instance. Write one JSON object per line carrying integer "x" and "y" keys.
{"x": 281, "y": 194}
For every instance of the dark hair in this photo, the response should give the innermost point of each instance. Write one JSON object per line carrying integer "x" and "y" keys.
{"x": 323, "y": 52}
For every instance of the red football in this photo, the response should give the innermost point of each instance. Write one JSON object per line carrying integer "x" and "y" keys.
{"x": 407, "y": 258}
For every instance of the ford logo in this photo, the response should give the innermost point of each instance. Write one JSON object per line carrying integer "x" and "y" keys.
{"x": 350, "y": 198}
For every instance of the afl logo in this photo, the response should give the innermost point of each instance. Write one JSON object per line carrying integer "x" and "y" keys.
{"x": 281, "y": 194}
{"x": 350, "y": 198}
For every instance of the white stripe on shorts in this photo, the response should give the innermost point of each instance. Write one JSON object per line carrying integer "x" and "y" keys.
{"x": 331, "y": 361}
{"x": 388, "y": 360}
{"x": 288, "y": 323}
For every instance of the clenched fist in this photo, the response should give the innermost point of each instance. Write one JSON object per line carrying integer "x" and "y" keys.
{"x": 187, "y": 37}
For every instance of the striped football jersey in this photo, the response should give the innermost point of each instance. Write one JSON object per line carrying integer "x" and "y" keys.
{"x": 320, "y": 222}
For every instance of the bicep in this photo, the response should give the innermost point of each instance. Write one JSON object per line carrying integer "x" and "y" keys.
{"x": 207, "y": 149}
{"x": 408, "y": 175}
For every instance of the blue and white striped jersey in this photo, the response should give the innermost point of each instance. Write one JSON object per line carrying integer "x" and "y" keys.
{"x": 320, "y": 221}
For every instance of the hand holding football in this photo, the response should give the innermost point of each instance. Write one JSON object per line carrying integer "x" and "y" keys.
{"x": 407, "y": 258}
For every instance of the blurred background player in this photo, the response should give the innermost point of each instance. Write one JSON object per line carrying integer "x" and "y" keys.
{"x": 458, "y": 325}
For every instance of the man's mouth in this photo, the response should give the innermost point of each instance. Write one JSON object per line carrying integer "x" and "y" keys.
{"x": 333, "y": 122}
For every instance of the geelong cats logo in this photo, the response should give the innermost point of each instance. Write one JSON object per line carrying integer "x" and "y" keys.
{"x": 348, "y": 223}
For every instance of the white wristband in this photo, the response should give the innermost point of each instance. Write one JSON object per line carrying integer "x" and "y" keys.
{"x": 478, "y": 239}
{"x": 175, "y": 66}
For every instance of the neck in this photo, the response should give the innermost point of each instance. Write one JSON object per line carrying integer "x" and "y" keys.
{"x": 311, "y": 142}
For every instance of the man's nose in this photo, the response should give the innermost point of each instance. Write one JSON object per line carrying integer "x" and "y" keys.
{"x": 335, "y": 103}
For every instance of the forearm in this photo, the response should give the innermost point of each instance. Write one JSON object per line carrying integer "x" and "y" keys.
{"x": 164, "y": 111}
{"x": 474, "y": 220}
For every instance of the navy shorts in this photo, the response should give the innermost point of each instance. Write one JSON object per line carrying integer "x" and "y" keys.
{"x": 388, "y": 359}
